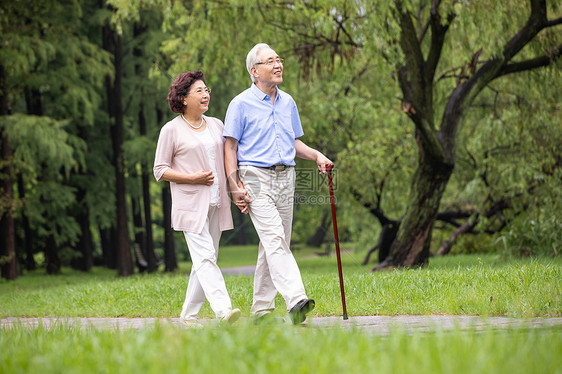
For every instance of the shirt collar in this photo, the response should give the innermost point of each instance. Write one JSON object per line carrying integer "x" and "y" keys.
{"x": 260, "y": 94}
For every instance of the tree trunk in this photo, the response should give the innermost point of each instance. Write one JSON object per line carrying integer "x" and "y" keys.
{"x": 108, "y": 248}
{"x": 386, "y": 238}
{"x": 27, "y": 240}
{"x": 170, "y": 258}
{"x": 85, "y": 245}
{"x": 140, "y": 241}
{"x": 52, "y": 259}
{"x": 411, "y": 246}
{"x": 7, "y": 230}
{"x": 112, "y": 43}
{"x": 150, "y": 254}
{"x": 317, "y": 238}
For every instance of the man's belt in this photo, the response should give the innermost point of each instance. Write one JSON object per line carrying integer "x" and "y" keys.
{"x": 277, "y": 167}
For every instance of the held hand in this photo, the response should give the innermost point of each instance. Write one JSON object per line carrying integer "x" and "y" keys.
{"x": 203, "y": 177}
{"x": 241, "y": 199}
{"x": 324, "y": 164}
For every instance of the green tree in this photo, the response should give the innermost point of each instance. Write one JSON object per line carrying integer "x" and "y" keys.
{"x": 145, "y": 96}
{"x": 53, "y": 73}
{"x": 145, "y": 86}
{"x": 112, "y": 42}
{"x": 417, "y": 78}
{"x": 8, "y": 252}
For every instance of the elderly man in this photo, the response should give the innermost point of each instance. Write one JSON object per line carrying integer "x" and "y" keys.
{"x": 262, "y": 127}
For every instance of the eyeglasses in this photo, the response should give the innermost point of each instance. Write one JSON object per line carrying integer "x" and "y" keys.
{"x": 271, "y": 61}
{"x": 201, "y": 91}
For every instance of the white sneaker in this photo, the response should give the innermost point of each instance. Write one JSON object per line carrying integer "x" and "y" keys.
{"x": 191, "y": 323}
{"x": 231, "y": 316}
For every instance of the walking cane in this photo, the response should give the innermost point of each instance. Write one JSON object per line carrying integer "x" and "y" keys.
{"x": 336, "y": 238}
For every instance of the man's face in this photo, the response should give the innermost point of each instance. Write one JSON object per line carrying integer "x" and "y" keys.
{"x": 268, "y": 73}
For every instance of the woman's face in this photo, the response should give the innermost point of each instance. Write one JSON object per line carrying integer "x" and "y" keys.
{"x": 197, "y": 100}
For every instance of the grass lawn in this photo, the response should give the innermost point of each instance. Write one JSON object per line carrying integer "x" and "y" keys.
{"x": 475, "y": 285}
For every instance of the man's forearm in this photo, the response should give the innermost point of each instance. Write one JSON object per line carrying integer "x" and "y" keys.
{"x": 231, "y": 163}
{"x": 305, "y": 152}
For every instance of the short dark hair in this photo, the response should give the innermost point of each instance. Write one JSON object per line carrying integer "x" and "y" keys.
{"x": 180, "y": 88}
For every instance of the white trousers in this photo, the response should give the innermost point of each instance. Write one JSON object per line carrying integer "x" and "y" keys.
{"x": 206, "y": 279}
{"x": 271, "y": 212}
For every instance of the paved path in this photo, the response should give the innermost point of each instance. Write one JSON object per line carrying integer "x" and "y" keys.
{"x": 381, "y": 325}
{"x": 241, "y": 270}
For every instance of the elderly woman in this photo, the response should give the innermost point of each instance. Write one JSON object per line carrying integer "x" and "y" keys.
{"x": 190, "y": 155}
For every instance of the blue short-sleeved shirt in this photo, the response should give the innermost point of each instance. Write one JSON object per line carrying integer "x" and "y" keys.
{"x": 266, "y": 133}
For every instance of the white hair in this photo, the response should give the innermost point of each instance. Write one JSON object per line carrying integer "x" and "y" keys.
{"x": 252, "y": 57}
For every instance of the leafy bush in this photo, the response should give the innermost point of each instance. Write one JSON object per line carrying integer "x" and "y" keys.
{"x": 472, "y": 244}
{"x": 533, "y": 236}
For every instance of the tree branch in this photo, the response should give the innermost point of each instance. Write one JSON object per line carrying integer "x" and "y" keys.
{"x": 438, "y": 32}
{"x": 374, "y": 210}
{"x": 450, "y": 215}
{"x": 412, "y": 50}
{"x": 465, "y": 92}
{"x": 531, "y": 64}
{"x": 554, "y": 22}
{"x": 446, "y": 246}
{"x": 417, "y": 102}
{"x": 346, "y": 33}
{"x": 536, "y": 22}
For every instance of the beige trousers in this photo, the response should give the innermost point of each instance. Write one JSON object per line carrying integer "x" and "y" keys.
{"x": 271, "y": 212}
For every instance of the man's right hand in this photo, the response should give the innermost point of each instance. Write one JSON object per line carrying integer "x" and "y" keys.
{"x": 237, "y": 191}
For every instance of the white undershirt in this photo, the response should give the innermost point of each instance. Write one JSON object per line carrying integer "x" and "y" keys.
{"x": 210, "y": 146}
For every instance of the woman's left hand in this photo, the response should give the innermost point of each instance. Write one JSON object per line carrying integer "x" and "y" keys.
{"x": 202, "y": 177}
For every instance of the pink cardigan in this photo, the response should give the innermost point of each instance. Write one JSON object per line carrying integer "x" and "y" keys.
{"x": 178, "y": 148}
